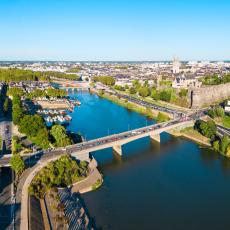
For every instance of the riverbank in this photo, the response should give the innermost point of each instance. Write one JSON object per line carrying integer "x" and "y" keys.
{"x": 191, "y": 134}
{"x": 150, "y": 113}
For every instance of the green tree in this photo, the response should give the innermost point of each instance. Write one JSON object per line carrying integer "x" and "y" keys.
{"x": 132, "y": 90}
{"x": 42, "y": 138}
{"x": 6, "y": 106}
{"x": 154, "y": 94}
{"x": 183, "y": 93}
{"x": 216, "y": 145}
{"x": 144, "y": 91}
{"x": 219, "y": 112}
{"x": 107, "y": 80}
{"x": 224, "y": 144}
{"x": 15, "y": 91}
{"x": 17, "y": 164}
{"x": 162, "y": 117}
{"x": 165, "y": 95}
{"x": 31, "y": 124}
{"x": 60, "y": 136}
{"x": 208, "y": 129}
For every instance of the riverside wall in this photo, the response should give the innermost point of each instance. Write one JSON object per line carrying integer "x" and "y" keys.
{"x": 205, "y": 96}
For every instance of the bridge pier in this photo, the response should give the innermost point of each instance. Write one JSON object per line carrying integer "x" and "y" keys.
{"x": 156, "y": 137}
{"x": 118, "y": 149}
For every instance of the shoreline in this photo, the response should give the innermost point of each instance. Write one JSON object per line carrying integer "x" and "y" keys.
{"x": 150, "y": 113}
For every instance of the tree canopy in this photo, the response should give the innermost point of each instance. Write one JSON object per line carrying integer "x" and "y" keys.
{"x": 107, "y": 80}
{"x": 62, "y": 172}
{"x": 17, "y": 164}
{"x": 60, "y": 136}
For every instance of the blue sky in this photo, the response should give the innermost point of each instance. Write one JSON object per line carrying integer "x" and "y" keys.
{"x": 114, "y": 30}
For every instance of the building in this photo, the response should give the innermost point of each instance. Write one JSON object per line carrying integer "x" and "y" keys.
{"x": 176, "y": 66}
{"x": 227, "y": 107}
{"x": 182, "y": 81}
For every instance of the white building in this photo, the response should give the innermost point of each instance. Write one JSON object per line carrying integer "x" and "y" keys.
{"x": 181, "y": 81}
{"x": 227, "y": 107}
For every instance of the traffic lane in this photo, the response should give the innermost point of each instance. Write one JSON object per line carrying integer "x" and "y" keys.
{"x": 117, "y": 137}
{"x": 147, "y": 104}
{"x": 86, "y": 145}
{"x": 5, "y": 197}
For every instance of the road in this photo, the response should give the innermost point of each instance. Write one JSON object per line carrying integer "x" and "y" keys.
{"x": 7, "y": 176}
{"x": 223, "y": 131}
{"x": 6, "y": 194}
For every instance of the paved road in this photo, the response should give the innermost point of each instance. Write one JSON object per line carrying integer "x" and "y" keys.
{"x": 223, "y": 131}
{"x": 6, "y": 134}
{"x": 6, "y": 194}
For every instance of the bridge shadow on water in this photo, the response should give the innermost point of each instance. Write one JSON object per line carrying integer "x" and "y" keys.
{"x": 134, "y": 152}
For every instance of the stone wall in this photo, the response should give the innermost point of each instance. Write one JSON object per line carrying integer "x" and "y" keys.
{"x": 200, "y": 97}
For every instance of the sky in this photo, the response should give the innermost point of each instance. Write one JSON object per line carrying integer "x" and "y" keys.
{"x": 114, "y": 30}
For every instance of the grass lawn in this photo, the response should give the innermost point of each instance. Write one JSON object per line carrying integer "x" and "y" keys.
{"x": 190, "y": 131}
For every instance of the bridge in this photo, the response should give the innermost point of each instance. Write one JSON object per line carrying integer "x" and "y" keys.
{"x": 76, "y": 86}
{"x": 81, "y": 151}
{"x": 116, "y": 141}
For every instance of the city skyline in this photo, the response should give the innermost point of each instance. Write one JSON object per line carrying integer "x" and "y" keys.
{"x": 114, "y": 31}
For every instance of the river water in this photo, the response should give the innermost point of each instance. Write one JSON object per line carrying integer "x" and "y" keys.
{"x": 171, "y": 185}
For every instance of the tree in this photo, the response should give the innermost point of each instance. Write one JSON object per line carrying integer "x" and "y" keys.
{"x": 6, "y": 106}
{"x": 162, "y": 117}
{"x": 208, "y": 129}
{"x": 224, "y": 144}
{"x": 31, "y": 124}
{"x": 42, "y": 138}
{"x": 132, "y": 90}
{"x": 119, "y": 87}
{"x": 17, "y": 164}
{"x": 154, "y": 94}
{"x": 183, "y": 93}
{"x": 216, "y": 112}
{"x": 216, "y": 145}
{"x": 228, "y": 151}
{"x": 144, "y": 91}
{"x": 60, "y": 136}
{"x": 219, "y": 112}
{"x": 165, "y": 95}
{"x": 107, "y": 80}
{"x": 15, "y": 91}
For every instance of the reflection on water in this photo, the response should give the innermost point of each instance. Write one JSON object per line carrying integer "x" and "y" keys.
{"x": 171, "y": 185}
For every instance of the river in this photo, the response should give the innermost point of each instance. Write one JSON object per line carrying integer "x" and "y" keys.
{"x": 172, "y": 185}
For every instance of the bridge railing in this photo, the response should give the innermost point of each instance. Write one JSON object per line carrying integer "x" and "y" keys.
{"x": 159, "y": 125}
